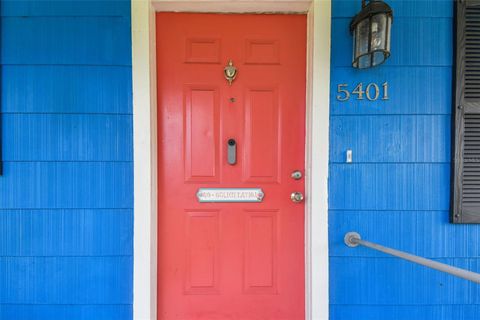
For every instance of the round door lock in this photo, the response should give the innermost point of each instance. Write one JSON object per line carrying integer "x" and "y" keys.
{"x": 296, "y": 197}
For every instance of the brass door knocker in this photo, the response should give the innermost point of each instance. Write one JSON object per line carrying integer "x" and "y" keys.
{"x": 230, "y": 72}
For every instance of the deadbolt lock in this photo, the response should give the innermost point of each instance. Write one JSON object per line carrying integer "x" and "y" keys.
{"x": 296, "y": 197}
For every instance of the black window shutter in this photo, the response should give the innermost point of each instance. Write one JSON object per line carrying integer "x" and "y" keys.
{"x": 466, "y": 155}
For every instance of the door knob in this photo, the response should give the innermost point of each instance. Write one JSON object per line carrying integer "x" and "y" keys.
{"x": 296, "y": 197}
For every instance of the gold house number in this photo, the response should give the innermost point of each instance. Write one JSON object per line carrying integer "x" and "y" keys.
{"x": 372, "y": 92}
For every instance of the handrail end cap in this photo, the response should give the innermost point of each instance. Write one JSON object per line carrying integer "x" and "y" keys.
{"x": 351, "y": 239}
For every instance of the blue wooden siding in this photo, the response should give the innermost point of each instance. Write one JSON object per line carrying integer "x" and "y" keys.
{"x": 397, "y": 190}
{"x": 66, "y": 196}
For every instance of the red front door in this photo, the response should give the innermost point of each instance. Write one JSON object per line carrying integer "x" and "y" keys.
{"x": 230, "y": 260}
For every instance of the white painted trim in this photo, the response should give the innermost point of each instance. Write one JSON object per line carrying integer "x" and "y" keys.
{"x": 317, "y": 150}
{"x": 145, "y": 161}
{"x": 235, "y": 6}
{"x": 145, "y": 143}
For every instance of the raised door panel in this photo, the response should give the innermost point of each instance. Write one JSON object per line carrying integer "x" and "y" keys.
{"x": 201, "y": 131}
{"x": 262, "y": 135}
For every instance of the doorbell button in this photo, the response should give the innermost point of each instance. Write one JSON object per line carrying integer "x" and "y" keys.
{"x": 231, "y": 151}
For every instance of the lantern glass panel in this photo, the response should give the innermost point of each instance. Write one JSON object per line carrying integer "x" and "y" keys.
{"x": 378, "y": 32}
{"x": 371, "y": 29}
{"x": 362, "y": 38}
{"x": 364, "y": 61}
{"x": 378, "y": 57}
{"x": 389, "y": 28}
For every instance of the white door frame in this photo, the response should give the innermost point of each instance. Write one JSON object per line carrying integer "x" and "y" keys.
{"x": 145, "y": 142}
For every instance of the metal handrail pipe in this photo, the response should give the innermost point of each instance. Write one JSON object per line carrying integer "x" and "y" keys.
{"x": 353, "y": 239}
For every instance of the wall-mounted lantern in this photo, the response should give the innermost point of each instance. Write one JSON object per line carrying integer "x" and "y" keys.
{"x": 371, "y": 34}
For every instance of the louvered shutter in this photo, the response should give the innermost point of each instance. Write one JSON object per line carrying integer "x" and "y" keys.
{"x": 466, "y": 162}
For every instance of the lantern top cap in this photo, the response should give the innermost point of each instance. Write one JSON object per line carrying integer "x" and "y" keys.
{"x": 372, "y": 8}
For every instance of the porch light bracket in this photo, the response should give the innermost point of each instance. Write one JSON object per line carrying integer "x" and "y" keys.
{"x": 371, "y": 30}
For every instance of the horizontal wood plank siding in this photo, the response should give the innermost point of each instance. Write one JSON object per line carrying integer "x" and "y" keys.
{"x": 73, "y": 40}
{"x": 391, "y": 138}
{"x": 416, "y": 230}
{"x": 65, "y": 311}
{"x": 66, "y": 196}
{"x": 71, "y": 280}
{"x": 389, "y": 186}
{"x": 390, "y": 288}
{"x": 418, "y": 38}
{"x": 396, "y": 312}
{"x": 415, "y": 92}
{"x": 403, "y": 8}
{"x": 67, "y": 137}
{"x": 67, "y": 89}
{"x": 61, "y": 8}
{"x": 397, "y": 190}
{"x": 65, "y": 232}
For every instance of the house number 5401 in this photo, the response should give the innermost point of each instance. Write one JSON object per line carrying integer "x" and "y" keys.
{"x": 371, "y": 91}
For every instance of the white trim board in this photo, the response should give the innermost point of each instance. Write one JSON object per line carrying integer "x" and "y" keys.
{"x": 317, "y": 150}
{"x": 234, "y": 6}
{"x": 145, "y": 142}
{"x": 145, "y": 161}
